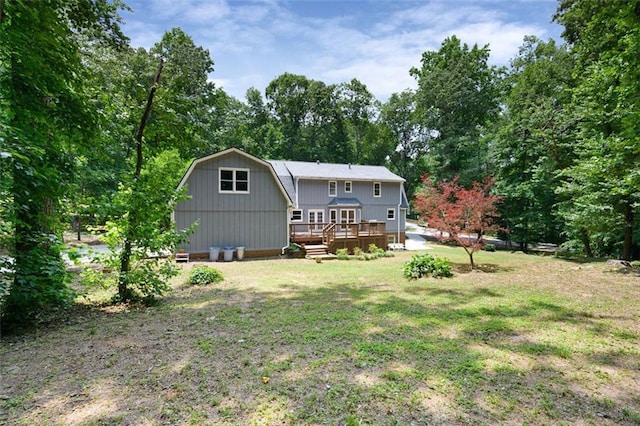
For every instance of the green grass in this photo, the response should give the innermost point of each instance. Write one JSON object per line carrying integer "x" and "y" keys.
{"x": 531, "y": 340}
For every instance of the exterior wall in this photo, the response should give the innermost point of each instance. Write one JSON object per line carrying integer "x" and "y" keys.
{"x": 257, "y": 221}
{"x": 314, "y": 195}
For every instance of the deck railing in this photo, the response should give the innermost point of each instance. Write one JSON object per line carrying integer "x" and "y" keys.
{"x": 328, "y": 232}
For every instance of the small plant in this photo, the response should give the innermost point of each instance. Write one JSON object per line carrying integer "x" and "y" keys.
{"x": 202, "y": 275}
{"x": 489, "y": 247}
{"x": 342, "y": 254}
{"x": 425, "y": 264}
{"x": 357, "y": 251}
{"x": 374, "y": 249}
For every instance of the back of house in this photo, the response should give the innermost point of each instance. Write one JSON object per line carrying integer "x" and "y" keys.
{"x": 263, "y": 206}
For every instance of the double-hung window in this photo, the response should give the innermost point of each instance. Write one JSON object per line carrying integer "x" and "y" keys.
{"x": 377, "y": 189}
{"x": 234, "y": 180}
{"x": 333, "y": 188}
{"x": 296, "y": 215}
{"x": 391, "y": 214}
{"x": 347, "y": 186}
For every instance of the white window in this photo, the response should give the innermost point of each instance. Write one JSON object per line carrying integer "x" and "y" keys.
{"x": 347, "y": 187}
{"x": 234, "y": 180}
{"x": 377, "y": 189}
{"x": 333, "y": 215}
{"x": 296, "y": 215}
{"x": 391, "y": 214}
{"x": 316, "y": 219}
{"x": 347, "y": 215}
{"x": 333, "y": 188}
{"x": 391, "y": 239}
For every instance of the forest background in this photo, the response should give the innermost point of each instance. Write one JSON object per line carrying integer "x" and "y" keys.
{"x": 558, "y": 129}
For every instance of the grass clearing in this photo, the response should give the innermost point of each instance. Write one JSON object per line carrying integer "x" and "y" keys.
{"x": 531, "y": 340}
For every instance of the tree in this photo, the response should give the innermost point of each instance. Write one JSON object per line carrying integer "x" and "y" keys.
{"x": 457, "y": 96}
{"x": 602, "y": 184}
{"x": 461, "y": 215}
{"x": 532, "y": 143}
{"x": 44, "y": 113}
{"x": 409, "y": 138}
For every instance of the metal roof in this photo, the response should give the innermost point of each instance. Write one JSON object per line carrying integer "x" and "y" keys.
{"x": 309, "y": 170}
{"x": 345, "y": 202}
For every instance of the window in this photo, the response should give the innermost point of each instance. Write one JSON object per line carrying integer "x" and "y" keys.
{"x": 347, "y": 215}
{"x": 333, "y": 215}
{"x": 391, "y": 239}
{"x": 391, "y": 214}
{"x": 234, "y": 180}
{"x": 347, "y": 187}
{"x": 296, "y": 215}
{"x": 316, "y": 219}
{"x": 377, "y": 189}
{"x": 333, "y": 188}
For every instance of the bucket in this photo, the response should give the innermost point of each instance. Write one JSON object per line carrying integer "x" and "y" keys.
{"x": 240, "y": 253}
{"x": 214, "y": 253}
{"x": 228, "y": 253}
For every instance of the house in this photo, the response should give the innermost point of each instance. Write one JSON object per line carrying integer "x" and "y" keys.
{"x": 264, "y": 206}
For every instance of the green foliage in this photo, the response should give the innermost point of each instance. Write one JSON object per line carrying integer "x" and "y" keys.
{"x": 202, "y": 275}
{"x": 357, "y": 251}
{"x": 423, "y": 264}
{"x": 153, "y": 236}
{"x": 342, "y": 254}
{"x": 489, "y": 247}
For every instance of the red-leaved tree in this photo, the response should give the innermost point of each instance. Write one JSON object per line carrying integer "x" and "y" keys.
{"x": 461, "y": 215}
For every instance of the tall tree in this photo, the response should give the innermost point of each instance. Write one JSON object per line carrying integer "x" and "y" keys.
{"x": 457, "y": 96}
{"x": 532, "y": 141}
{"x": 410, "y": 139}
{"x": 603, "y": 182}
{"x": 359, "y": 110}
{"x": 44, "y": 112}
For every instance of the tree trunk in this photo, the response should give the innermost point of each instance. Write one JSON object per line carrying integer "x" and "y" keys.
{"x": 586, "y": 242}
{"x": 627, "y": 245}
{"x": 125, "y": 256}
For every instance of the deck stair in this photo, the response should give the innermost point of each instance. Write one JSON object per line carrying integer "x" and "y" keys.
{"x": 319, "y": 251}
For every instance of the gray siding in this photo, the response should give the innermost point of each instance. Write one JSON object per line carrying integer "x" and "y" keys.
{"x": 314, "y": 194}
{"x": 257, "y": 221}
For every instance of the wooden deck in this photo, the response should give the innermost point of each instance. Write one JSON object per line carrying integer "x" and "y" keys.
{"x": 340, "y": 235}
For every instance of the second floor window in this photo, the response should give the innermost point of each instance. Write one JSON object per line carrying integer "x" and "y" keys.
{"x": 347, "y": 187}
{"x": 234, "y": 180}
{"x": 377, "y": 189}
{"x": 333, "y": 188}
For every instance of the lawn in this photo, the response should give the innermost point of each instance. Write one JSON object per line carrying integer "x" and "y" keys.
{"x": 528, "y": 340}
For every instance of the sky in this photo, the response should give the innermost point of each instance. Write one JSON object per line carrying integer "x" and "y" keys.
{"x": 375, "y": 41}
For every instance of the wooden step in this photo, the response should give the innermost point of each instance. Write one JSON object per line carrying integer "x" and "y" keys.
{"x": 316, "y": 250}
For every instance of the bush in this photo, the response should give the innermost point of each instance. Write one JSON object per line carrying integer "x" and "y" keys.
{"x": 489, "y": 247}
{"x": 425, "y": 264}
{"x": 201, "y": 275}
{"x": 357, "y": 251}
{"x": 342, "y": 254}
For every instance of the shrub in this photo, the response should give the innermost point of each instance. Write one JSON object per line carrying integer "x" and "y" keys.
{"x": 374, "y": 249}
{"x": 425, "y": 264}
{"x": 201, "y": 275}
{"x": 357, "y": 251}
{"x": 342, "y": 254}
{"x": 489, "y": 247}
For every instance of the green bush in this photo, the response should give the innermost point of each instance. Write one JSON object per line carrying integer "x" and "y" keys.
{"x": 425, "y": 264}
{"x": 489, "y": 247}
{"x": 342, "y": 254}
{"x": 357, "y": 251}
{"x": 201, "y": 275}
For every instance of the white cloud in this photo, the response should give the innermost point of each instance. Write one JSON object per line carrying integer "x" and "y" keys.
{"x": 252, "y": 42}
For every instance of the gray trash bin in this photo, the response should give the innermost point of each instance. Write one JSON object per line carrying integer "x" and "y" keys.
{"x": 240, "y": 253}
{"x": 214, "y": 253}
{"x": 228, "y": 253}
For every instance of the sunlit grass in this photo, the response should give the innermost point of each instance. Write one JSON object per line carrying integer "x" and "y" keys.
{"x": 526, "y": 339}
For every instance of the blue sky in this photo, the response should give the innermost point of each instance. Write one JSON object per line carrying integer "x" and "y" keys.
{"x": 376, "y": 41}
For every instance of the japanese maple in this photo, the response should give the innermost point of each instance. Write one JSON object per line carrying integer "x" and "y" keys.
{"x": 461, "y": 215}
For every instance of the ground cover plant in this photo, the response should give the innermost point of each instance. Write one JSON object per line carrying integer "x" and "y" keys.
{"x": 523, "y": 340}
